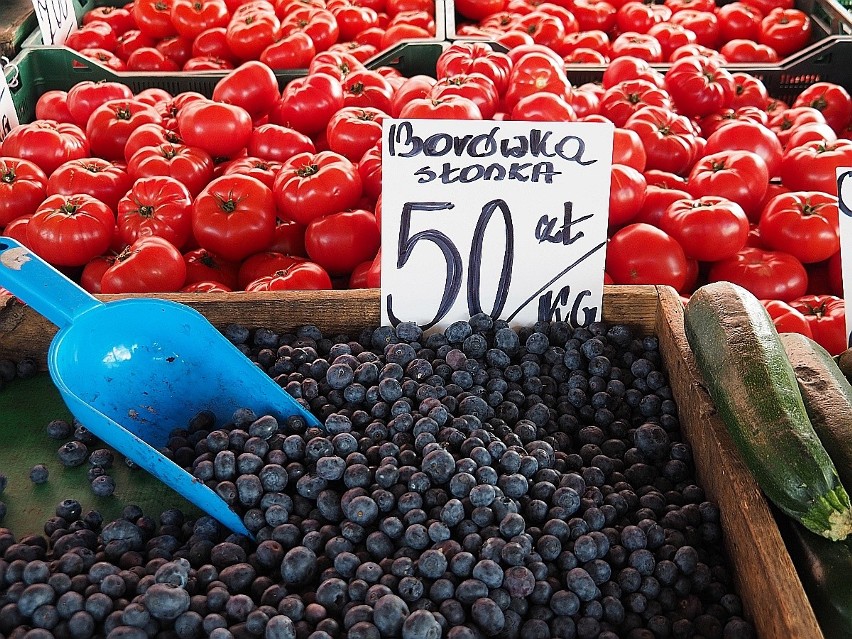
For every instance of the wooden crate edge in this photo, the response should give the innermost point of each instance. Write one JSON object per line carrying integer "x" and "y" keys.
{"x": 764, "y": 574}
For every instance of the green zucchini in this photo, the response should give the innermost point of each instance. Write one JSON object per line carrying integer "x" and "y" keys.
{"x": 828, "y": 398}
{"x": 824, "y": 568}
{"x": 750, "y": 380}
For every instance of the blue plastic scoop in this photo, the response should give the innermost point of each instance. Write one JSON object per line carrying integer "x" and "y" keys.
{"x": 133, "y": 370}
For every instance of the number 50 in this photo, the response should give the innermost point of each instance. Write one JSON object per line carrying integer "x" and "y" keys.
{"x": 453, "y": 259}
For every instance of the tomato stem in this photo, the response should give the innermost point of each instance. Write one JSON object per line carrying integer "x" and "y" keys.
{"x": 308, "y": 170}
{"x": 8, "y": 176}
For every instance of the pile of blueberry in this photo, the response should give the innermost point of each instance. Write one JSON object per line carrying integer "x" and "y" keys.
{"x": 480, "y": 482}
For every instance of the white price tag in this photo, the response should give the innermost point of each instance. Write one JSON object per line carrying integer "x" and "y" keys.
{"x": 506, "y": 218}
{"x": 844, "y": 203}
{"x": 56, "y": 20}
{"x": 8, "y": 114}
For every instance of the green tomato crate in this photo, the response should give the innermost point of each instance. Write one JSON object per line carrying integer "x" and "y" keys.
{"x": 36, "y": 70}
{"x": 81, "y": 7}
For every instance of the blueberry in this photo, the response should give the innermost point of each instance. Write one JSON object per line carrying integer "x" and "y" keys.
{"x": 59, "y": 429}
{"x": 103, "y": 486}
{"x": 298, "y": 566}
{"x": 39, "y": 474}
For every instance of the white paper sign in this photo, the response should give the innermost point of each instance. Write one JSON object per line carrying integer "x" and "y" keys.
{"x": 8, "y": 114}
{"x": 844, "y": 203}
{"x": 56, "y": 20}
{"x": 506, "y": 218}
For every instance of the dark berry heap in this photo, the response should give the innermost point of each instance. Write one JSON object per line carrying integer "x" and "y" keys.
{"x": 482, "y": 482}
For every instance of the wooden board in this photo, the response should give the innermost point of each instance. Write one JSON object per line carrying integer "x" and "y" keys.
{"x": 766, "y": 579}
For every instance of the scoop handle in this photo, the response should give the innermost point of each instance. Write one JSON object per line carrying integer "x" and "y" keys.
{"x": 37, "y": 283}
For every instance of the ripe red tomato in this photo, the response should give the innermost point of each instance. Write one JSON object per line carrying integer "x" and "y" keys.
{"x": 319, "y": 24}
{"x": 670, "y": 140}
{"x": 111, "y": 124}
{"x": 784, "y": 121}
{"x": 263, "y": 170}
{"x": 308, "y": 103}
{"x": 704, "y": 24}
{"x": 154, "y": 18}
{"x": 70, "y": 230}
{"x": 803, "y": 223}
{"x": 352, "y": 131}
{"x": 785, "y": 30}
{"x": 479, "y": 9}
{"x": 543, "y": 107}
{"x": 151, "y": 134}
{"x": 739, "y": 176}
{"x": 150, "y": 59}
{"x": 367, "y": 88}
{"x": 657, "y": 200}
{"x": 53, "y": 105}
{"x": 222, "y": 130}
{"x": 99, "y": 178}
{"x": 745, "y": 135}
{"x": 475, "y": 57}
{"x": 340, "y": 241}
{"x": 534, "y": 73}
{"x": 46, "y": 143}
{"x": 826, "y": 315}
{"x": 119, "y": 18}
{"x": 622, "y": 100}
{"x": 772, "y": 275}
{"x": 190, "y": 166}
{"x": 449, "y": 107}
{"x": 708, "y": 228}
{"x": 150, "y": 265}
{"x": 90, "y": 278}
{"x": 474, "y": 86}
{"x": 748, "y": 52}
{"x": 786, "y": 318}
{"x": 310, "y": 186}
{"x": 418, "y": 86}
{"x": 159, "y": 206}
{"x": 749, "y": 91}
{"x": 278, "y": 143}
{"x": 738, "y": 20}
{"x": 93, "y": 35}
{"x": 289, "y": 238}
{"x": 204, "y": 266}
{"x": 637, "y": 45}
{"x": 370, "y": 170}
{"x": 22, "y": 188}
{"x": 191, "y": 17}
{"x": 250, "y": 32}
{"x": 643, "y": 254}
{"x": 813, "y": 166}
{"x": 699, "y": 86}
{"x": 626, "y": 194}
{"x": 251, "y": 86}
{"x": 206, "y": 287}
{"x": 832, "y": 100}
{"x": 213, "y": 43}
{"x": 630, "y": 68}
{"x": 352, "y": 18}
{"x": 294, "y": 51}
{"x": 296, "y": 277}
{"x": 592, "y": 15}
{"x": 234, "y": 216}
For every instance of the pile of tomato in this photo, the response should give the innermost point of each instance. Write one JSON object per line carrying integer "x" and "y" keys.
{"x": 203, "y": 35}
{"x": 597, "y": 31}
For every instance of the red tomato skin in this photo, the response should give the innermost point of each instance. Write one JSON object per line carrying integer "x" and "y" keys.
{"x": 23, "y": 186}
{"x": 223, "y": 130}
{"x": 202, "y": 265}
{"x": 150, "y": 265}
{"x": 251, "y": 86}
{"x": 234, "y": 216}
{"x": 708, "y": 228}
{"x": 786, "y": 318}
{"x": 340, "y": 241}
{"x": 626, "y": 194}
{"x": 643, "y": 254}
{"x": 803, "y": 223}
{"x": 310, "y": 186}
{"x": 767, "y": 274}
{"x": 103, "y": 180}
{"x": 298, "y": 276}
{"x": 159, "y": 206}
{"x": 826, "y": 315}
{"x": 739, "y": 176}
{"x": 307, "y": 104}
{"x": 46, "y": 143}
{"x": 70, "y": 230}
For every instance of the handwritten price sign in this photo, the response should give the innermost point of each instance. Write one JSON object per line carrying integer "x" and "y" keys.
{"x": 56, "y": 20}
{"x": 844, "y": 203}
{"x": 8, "y": 114}
{"x": 506, "y": 218}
